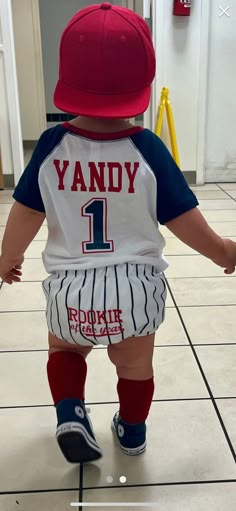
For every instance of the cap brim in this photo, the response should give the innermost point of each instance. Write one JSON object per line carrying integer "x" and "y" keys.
{"x": 120, "y": 106}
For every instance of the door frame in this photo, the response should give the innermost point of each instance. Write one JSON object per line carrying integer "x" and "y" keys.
{"x": 202, "y": 93}
{"x": 12, "y": 152}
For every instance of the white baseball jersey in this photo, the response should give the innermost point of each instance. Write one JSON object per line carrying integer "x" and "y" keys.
{"x": 104, "y": 196}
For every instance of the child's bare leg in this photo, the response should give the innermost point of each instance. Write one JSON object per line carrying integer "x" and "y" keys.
{"x": 133, "y": 361}
{"x": 133, "y": 357}
{"x": 56, "y": 344}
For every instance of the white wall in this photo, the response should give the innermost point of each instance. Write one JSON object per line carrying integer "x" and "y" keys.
{"x": 221, "y": 108}
{"x": 178, "y": 42}
{"x": 5, "y": 135}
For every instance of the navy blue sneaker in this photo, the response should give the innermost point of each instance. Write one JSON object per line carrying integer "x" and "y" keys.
{"x": 131, "y": 437}
{"x": 74, "y": 433}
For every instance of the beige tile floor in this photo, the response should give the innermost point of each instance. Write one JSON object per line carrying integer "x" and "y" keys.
{"x": 190, "y": 462}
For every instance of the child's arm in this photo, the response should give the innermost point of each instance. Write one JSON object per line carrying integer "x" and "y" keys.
{"x": 22, "y": 226}
{"x": 194, "y": 231}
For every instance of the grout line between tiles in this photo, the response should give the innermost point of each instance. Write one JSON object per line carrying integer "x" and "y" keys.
{"x": 187, "y": 278}
{"x": 198, "y": 305}
{"x": 210, "y": 221}
{"x": 174, "y": 483}
{"x": 202, "y": 277}
{"x": 23, "y": 281}
{"x": 227, "y": 193}
{"x": 144, "y": 485}
{"x": 26, "y": 310}
{"x": 204, "y": 377}
{"x": 155, "y": 346}
{"x": 96, "y": 348}
{"x": 96, "y": 403}
{"x": 81, "y": 478}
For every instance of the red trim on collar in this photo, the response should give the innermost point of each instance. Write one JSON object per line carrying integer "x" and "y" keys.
{"x": 103, "y": 136}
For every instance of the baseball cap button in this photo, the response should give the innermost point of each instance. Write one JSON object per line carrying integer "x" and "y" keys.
{"x": 106, "y": 6}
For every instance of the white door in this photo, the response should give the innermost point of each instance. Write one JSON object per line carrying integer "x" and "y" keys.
{"x": 220, "y": 153}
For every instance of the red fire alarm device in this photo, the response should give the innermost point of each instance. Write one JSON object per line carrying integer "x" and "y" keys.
{"x": 182, "y": 7}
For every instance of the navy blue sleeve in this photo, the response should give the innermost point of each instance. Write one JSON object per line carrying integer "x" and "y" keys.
{"x": 174, "y": 197}
{"x": 27, "y": 191}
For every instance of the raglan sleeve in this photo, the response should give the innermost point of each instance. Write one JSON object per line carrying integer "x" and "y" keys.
{"x": 27, "y": 191}
{"x": 174, "y": 196}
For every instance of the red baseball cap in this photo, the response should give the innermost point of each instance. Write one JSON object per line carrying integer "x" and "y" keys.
{"x": 107, "y": 63}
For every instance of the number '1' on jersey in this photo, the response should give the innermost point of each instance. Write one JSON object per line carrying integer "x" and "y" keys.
{"x": 104, "y": 196}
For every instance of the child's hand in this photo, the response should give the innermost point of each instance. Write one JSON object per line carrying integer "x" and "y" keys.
{"x": 228, "y": 261}
{"x": 8, "y": 273}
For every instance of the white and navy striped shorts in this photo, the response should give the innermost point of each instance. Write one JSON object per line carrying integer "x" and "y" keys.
{"x": 105, "y": 305}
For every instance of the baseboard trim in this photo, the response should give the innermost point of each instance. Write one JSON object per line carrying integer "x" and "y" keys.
{"x": 8, "y": 181}
{"x": 190, "y": 176}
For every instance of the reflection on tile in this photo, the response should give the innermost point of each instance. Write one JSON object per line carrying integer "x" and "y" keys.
{"x": 222, "y": 215}
{"x": 210, "y": 324}
{"x": 232, "y": 193}
{"x": 192, "y": 266}
{"x": 169, "y": 301}
{"x": 186, "y": 431}
{"x": 6, "y": 197}
{"x": 25, "y": 377}
{"x": 22, "y": 296}
{"x": 207, "y": 291}
{"x": 207, "y": 187}
{"x": 33, "y": 270}
{"x": 3, "y": 219}
{"x": 228, "y": 186}
{"x": 224, "y": 228}
{"x": 216, "y": 204}
{"x": 42, "y": 234}
{"x": 200, "y": 497}
{"x": 30, "y": 457}
{"x": 219, "y": 366}
{"x": 221, "y": 228}
{"x": 171, "y": 331}
{"x": 166, "y": 232}
{"x": 23, "y": 331}
{"x": 35, "y": 250}
{"x": 176, "y": 247}
{"x": 211, "y": 194}
{"x": 227, "y": 409}
{"x": 52, "y": 501}
{"x": 5, "y": 208}
{"x": 167, "y": 363}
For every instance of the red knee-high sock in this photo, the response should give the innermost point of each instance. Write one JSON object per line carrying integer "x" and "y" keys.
{"x": 135, "y": 399}
{"x": 66, "y": 375}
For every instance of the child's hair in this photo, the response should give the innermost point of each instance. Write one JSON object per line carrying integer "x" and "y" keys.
{"x": 107, "y": 63}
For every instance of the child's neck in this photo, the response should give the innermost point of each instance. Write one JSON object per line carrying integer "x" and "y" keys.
{"x": 101, "y": 125}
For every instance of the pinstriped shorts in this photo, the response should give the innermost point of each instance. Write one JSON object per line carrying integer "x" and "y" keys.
{"x": 105, "y": 305}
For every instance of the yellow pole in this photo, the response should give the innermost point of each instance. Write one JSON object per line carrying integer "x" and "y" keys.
{"x": 165, "y": 105}
{"x": 171, "y": 125}
{"x": 160, "y": 115}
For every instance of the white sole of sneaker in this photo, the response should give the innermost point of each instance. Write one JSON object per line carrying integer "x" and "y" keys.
{"x": 135, "y": 451}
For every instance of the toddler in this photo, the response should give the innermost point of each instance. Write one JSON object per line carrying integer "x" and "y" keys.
{"x": 104, "y": 186}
